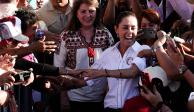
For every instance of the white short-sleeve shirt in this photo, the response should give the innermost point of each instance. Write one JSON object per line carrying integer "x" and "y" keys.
{"x": 120, "y": 89}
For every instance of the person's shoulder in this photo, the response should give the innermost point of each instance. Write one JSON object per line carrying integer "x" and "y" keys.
{"x": 104, "y": 31}
{"x": 102, "y": 27}
{"x": 145, "y": 47}
{"x": 68, "y": 34}
{"x": 110, "y": 49}
{"x": 137, "y": 46}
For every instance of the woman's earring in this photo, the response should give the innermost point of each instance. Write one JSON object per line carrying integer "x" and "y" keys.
{"x": 117, "y": 35}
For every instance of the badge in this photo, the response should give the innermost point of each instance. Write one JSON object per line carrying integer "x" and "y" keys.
{"x": 129, "y": 60}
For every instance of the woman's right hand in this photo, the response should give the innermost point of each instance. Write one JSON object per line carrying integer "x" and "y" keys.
{"x": 87, "y": 74}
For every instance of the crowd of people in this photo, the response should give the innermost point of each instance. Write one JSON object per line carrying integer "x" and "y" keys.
{"x": 96, "y": 55}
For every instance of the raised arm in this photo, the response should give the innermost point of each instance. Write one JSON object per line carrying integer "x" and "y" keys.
{"x": 38, "y": 46}
{"x": 96, "y": 73}
{"x": 137, "y": 9}
{"x": 109, "y": 14}
{"x": 183, "y": 8}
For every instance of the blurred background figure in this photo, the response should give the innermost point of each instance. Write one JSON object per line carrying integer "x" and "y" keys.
{"x": 7, "y": 8}
{"x": 190, "y": 1}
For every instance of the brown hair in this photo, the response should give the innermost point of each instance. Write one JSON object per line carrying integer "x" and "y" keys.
{"x": 152, "y": 16}
{"x": 74, "y": 23}
{"x": 123, "y": 15}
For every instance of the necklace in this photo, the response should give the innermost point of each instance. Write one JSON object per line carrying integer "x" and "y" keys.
{"x": 89, "y": 46}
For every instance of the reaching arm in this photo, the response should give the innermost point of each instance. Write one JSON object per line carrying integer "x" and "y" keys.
{"x": 137, "y": 9}
{"x": 95, "y": 73}
{"x": 189, "y": 77}
{"x": 109, "y": 14}
{"x": 123, "y": 73}
{"x": 155, "y": 99}
{"x": 183, "y": 8}
{"x": 17, "y": 51}
{"x": 166, "y": 63}
{"x": 163, "y": 58}
{"x": 38, "y": 46}
{"x": 38, "y": 68}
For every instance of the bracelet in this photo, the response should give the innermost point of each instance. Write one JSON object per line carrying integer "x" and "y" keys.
{"x": 159, "y": 105}
{"x": 107, "y": 74}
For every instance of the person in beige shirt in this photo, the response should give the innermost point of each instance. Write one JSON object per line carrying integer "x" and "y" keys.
{"x": 56, "y": 15}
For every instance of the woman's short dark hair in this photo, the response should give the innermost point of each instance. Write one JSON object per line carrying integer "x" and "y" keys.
{"x": 123, "y": 15}
{"x": 27, "y": 17}
{"x": 74, "y": 23}
{"x": 152, "y": 16}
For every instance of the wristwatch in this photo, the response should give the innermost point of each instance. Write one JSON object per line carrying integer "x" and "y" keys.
{"x": 182, "y": 69}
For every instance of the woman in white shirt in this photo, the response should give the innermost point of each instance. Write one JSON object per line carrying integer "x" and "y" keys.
{"x": 120, "y": 64}
{"x": 82, "y": 44}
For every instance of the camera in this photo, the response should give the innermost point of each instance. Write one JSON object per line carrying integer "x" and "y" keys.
{"x": 146, "y": 33}
{"x": 22, "y": 76}
{"x": 39, "y": 34}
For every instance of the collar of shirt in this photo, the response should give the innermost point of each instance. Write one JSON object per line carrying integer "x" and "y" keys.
{"x": 136, "y": 46}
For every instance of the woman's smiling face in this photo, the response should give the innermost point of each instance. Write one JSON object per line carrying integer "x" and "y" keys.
{"x": 127, "y": 30}
{"x": 86, "y": 14}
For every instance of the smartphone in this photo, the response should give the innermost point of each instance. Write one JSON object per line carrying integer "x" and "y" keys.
{"x": 21, "y": 76}
{"x": 146, "y": 33}
{"x": 39, "y": 34}
{"x": 145, "y": 80}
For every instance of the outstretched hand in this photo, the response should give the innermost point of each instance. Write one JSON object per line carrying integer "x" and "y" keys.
{"x": 42, "y": 46}
{"x": 7, "y": 79}
{"x": 174, "y": 53}
{"x": 161, "y": 38}
{"x": 153, "y": 97}
{"x": 86, "y": 74}
{"x": 29, "y": 80}
{"x": 74, "y": 73}
{"x": 92, "y": 74}
{"x": 187, "y": 52}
